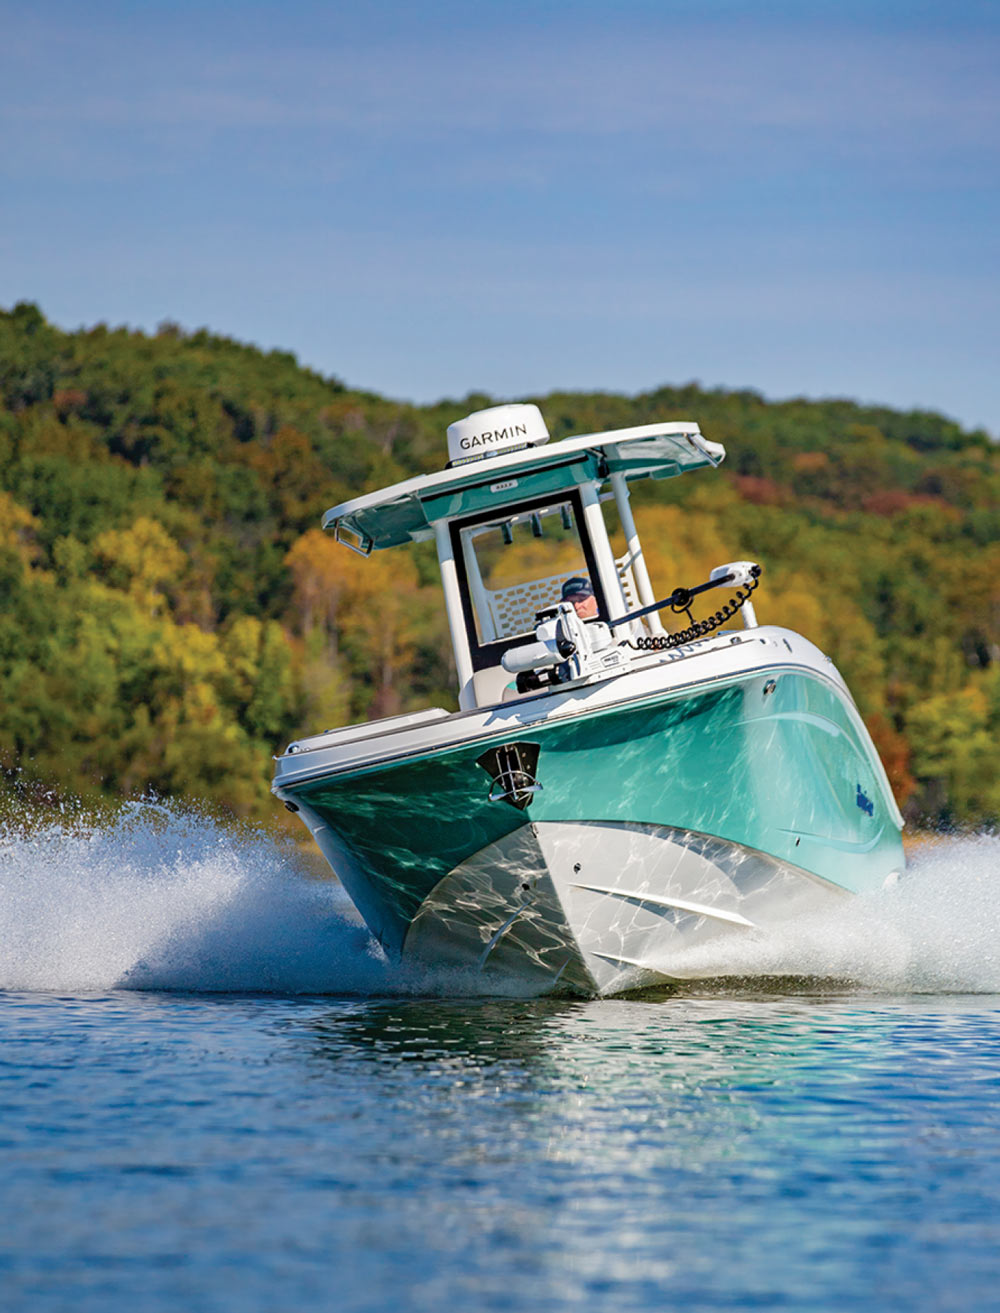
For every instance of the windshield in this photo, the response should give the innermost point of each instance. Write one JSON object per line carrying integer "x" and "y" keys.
{"x": 518, "y": 564}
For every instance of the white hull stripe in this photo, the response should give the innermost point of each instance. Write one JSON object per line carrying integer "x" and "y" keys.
{"x": 499, "y": 935}
{"x": 626, "y": 961}
{"x": 679, "y": 903}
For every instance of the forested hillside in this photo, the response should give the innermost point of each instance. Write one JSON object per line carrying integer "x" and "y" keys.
{"x": 170, "y": 613}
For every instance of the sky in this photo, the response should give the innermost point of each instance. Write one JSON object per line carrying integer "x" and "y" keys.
{"x": 431, "y": 199}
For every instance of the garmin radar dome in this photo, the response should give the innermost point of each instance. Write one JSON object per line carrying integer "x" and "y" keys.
{"x": 494, "y": 432}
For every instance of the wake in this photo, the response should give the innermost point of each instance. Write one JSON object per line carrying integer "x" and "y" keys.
{"x": 161, "y": 899}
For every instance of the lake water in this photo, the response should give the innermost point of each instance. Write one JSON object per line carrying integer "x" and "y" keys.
{"x": 215, "y": 1095}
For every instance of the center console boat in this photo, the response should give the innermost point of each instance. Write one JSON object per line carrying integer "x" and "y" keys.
{"x": 610, "y": 797}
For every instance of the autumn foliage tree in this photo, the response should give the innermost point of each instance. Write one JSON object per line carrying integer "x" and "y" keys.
{"x": 170, "y": 613}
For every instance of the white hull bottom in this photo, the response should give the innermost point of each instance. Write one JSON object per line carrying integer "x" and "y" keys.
{"x": 600, "y": 908}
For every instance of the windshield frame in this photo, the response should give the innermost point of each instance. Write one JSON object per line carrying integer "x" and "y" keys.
{"x": 486, "y": 655}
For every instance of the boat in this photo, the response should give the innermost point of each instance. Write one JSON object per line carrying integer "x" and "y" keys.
{"x": 615, "y": 794}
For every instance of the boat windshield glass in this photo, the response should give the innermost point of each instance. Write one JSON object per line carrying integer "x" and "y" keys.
{"x": 517, "y": 565}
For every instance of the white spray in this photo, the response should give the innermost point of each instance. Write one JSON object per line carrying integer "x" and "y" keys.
{"x": 159, "y": 899}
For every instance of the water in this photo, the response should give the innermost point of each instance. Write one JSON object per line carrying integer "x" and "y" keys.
{"x": 329, "y": 1134}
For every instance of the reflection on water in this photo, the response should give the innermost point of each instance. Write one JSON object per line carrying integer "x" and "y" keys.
{"x": 705, "y": 1150}
{"x": 733, "y": 1151}
{"x": 690, "y": 1059}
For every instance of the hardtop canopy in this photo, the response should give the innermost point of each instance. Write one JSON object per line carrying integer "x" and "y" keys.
{"x": 407, "y": 511}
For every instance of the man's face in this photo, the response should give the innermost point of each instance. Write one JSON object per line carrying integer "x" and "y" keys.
{"x": 585, "y": 607}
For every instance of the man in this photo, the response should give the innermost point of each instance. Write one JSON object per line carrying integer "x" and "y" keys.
{"x": 578, "y": 590}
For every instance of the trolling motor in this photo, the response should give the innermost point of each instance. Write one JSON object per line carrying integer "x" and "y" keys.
{"x": 567, "y": 648}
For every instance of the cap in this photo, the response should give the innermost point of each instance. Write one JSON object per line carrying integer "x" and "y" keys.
{"x": 578, "y": 586}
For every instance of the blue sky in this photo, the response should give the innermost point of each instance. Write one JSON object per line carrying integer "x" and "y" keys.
{"x": 427, "y": 200}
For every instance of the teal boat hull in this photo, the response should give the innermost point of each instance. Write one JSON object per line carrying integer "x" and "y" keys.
{"x": 696, "y": 812}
